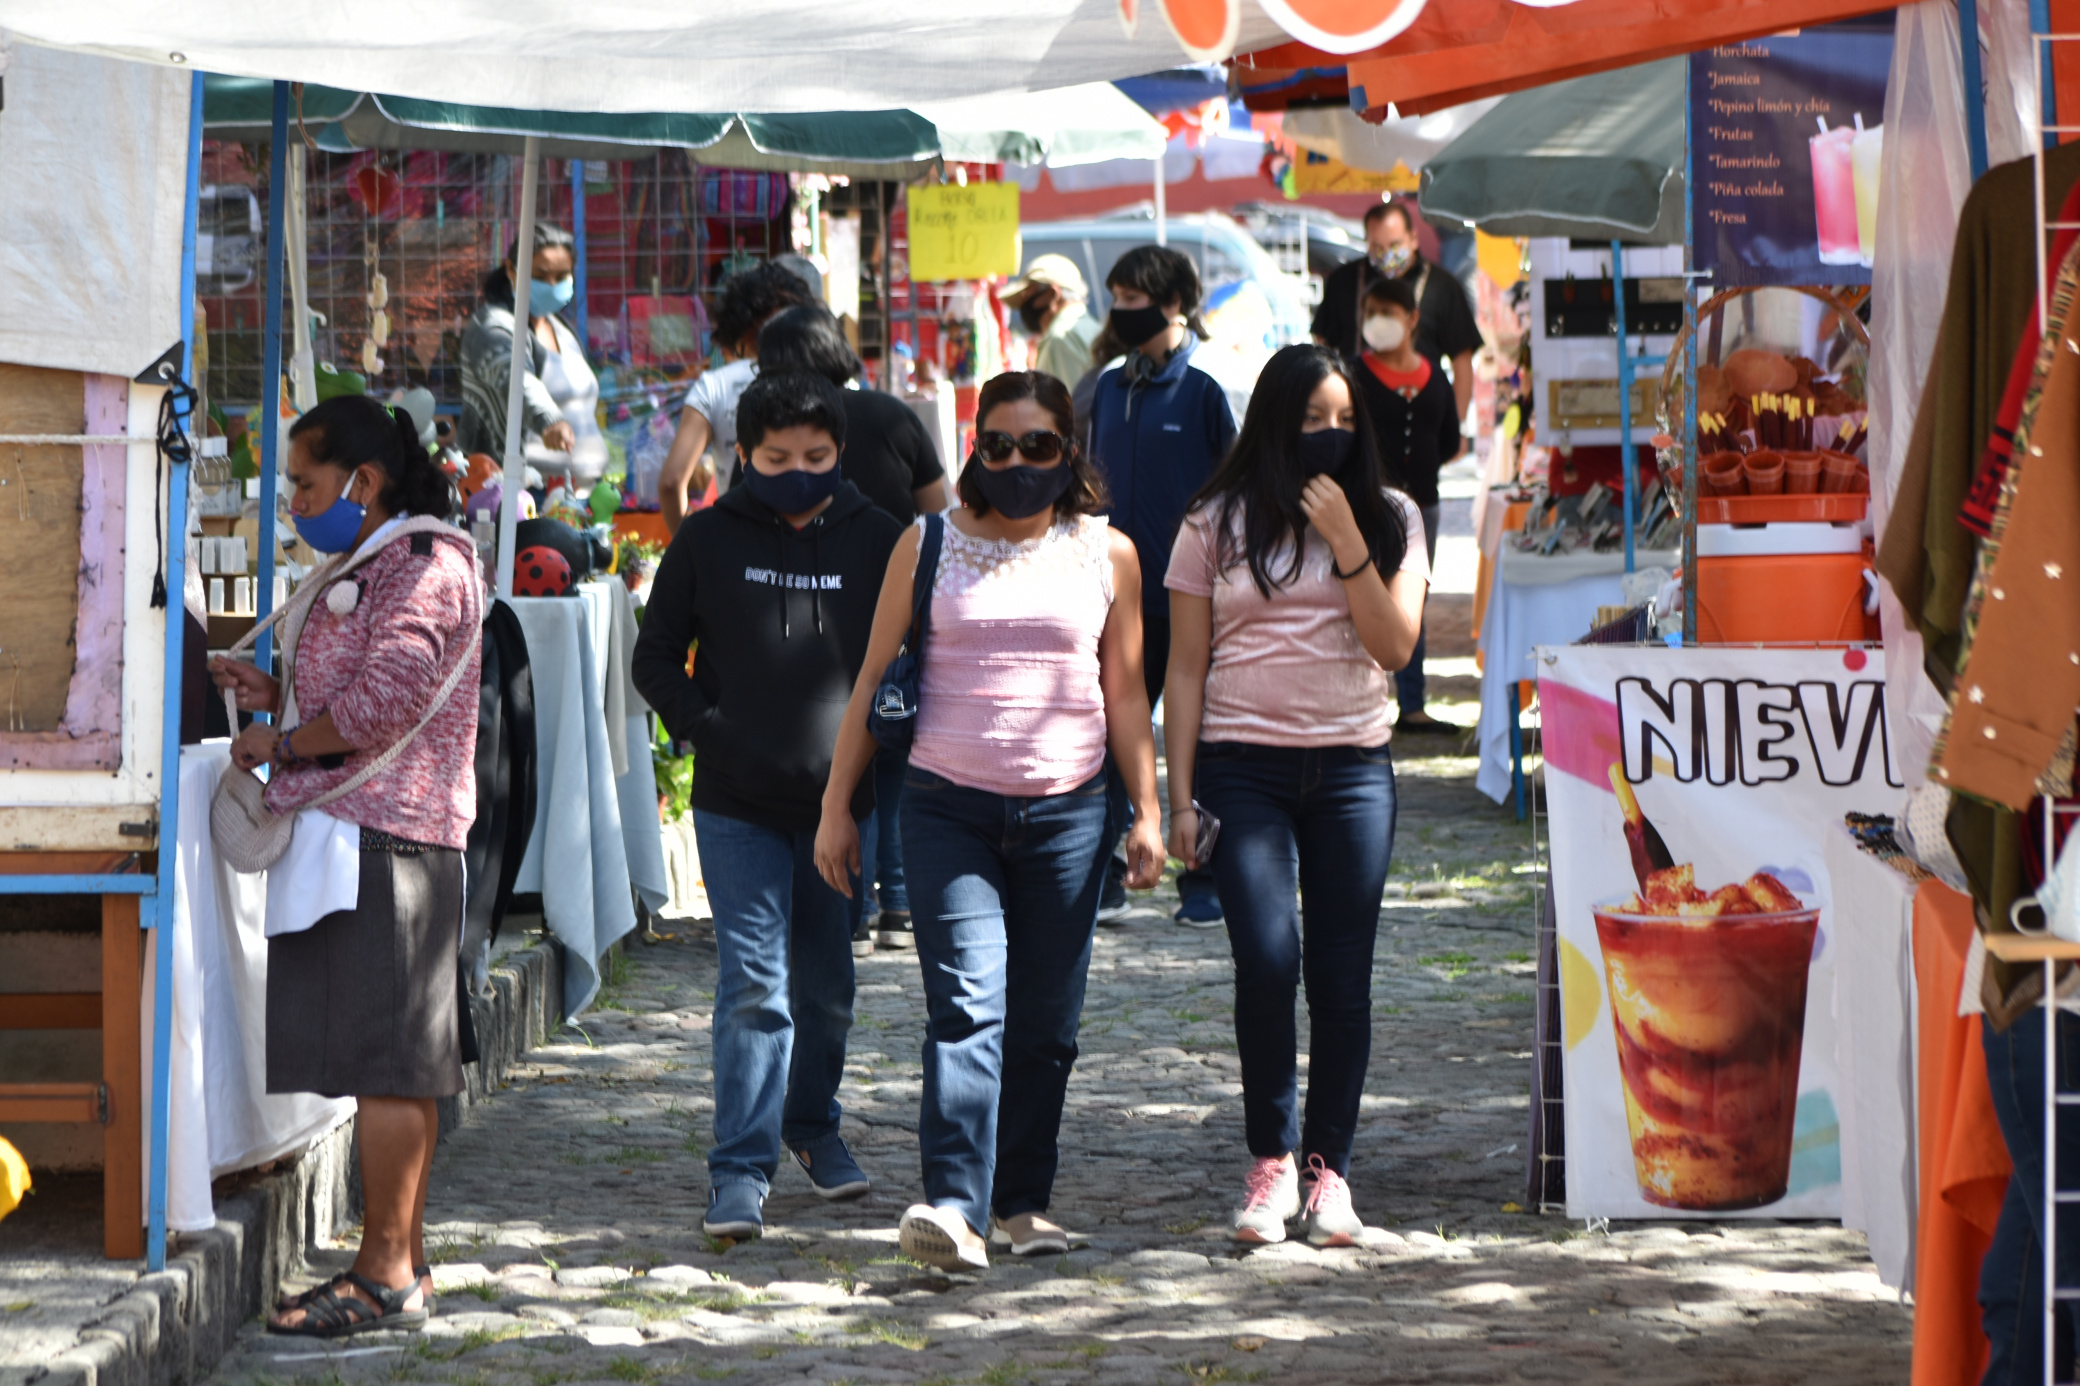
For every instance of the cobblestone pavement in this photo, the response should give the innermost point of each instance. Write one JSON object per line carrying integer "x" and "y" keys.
{"x": 566, "y": 1218}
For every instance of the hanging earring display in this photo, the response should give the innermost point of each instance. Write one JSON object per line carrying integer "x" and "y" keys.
{"x": 378, "y": 290}
{"x": 379, "y": 328}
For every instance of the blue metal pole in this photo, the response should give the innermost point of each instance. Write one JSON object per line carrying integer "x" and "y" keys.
{"x": 1974, "y": 82}
{"x": 1690, "y": 459}
{"x": 578, "y": 303}
{"x": 157, "y": 908}
{"x": 271, "y": 365}
{"x": 2047, "y": 89}
{"x": 1627, "y": 458}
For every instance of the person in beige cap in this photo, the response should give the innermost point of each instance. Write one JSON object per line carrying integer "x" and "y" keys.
{"x": 1050, "y": 298}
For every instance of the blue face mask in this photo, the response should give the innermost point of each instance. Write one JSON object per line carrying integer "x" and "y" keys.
{"x": 334, "y": 529}
{"x": 793, "y": 491}
{"x": 544, "y": 299}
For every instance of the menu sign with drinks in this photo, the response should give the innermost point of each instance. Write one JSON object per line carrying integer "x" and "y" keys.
{"x": 1691, "y": 792}
{"x": 1787, "y": 133}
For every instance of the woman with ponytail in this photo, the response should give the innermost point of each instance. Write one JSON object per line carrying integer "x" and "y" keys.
{"x": 381, "y": 660}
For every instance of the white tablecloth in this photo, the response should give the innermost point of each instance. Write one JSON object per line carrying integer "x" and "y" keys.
{"x": 1530, "y": 605}
{"x": 595, "y": 832}
{"x": 1873, "y": 921}
{"x": 220, "y": 1116}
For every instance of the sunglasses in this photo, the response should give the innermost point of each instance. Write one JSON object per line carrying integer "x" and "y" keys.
{"x": 1037, "y": 446}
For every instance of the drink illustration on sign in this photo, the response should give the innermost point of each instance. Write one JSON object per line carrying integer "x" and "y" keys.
{"x": 1708, "y": 1004}
{"x": 1845, "y": 190}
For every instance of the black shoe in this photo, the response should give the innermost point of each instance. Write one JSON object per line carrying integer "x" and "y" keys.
{"x": 1113, "y": 903}
{"x": 863, "y": 937}
{"x": 894, "y": 930}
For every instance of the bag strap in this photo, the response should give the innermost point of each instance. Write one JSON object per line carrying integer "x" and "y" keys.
{"x": 921, "y": 591}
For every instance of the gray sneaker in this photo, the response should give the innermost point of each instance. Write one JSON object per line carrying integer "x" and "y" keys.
{"x": 1270, "y": 1196}
{"x": 1327, "y": 1214}
{"x": 735, "y": 1210}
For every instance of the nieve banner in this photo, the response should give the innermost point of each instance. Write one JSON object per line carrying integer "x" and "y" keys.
{"x": 1786, "y": 134}
{"x": 1691, "y": 792}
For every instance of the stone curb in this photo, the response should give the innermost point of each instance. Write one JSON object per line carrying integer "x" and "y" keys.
{"x": 173, "y": 1327}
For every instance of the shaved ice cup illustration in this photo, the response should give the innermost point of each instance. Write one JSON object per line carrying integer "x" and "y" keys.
{"x": 1709, "y": 1013}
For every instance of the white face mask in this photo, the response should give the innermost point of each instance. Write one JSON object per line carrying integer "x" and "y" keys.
{"x": 1383, "y": 333}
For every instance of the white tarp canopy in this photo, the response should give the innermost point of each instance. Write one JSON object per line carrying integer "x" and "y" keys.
{"x": 93, "y": 183}
{"x": 634, "y": 55}
{"x": 1074, "y": 125}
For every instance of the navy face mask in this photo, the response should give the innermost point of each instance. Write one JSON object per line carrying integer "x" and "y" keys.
{"x": 1020, "y": 491}
{"x": 1327, "y": 451}
{"x": 793, "y": 491}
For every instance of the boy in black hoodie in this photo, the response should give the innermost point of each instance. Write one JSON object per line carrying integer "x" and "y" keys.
{"x": 774, "y": 587}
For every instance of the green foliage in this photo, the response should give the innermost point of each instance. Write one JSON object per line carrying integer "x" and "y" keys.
{"x": 674, "y": 776}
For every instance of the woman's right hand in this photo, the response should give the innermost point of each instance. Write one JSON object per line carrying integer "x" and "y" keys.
{"x": 254, "y": 691}
{"x": 560, "y": 437}
{"x": 1184, "y": 837}
{"x": 837, "y": 850}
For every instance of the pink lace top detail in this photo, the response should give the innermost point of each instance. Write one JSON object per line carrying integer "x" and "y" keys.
{"x": 1011, "y": 702}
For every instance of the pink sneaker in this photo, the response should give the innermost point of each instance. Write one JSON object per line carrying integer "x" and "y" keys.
{"x": 1330, "y": 1219}
{"x": 1270, "y": 1196}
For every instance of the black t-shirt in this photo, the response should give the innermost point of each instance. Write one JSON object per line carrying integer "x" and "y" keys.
{"x": 1445, "y": 329}
{"x": 1416, "y": 436}
{"x": 887, "y": 452}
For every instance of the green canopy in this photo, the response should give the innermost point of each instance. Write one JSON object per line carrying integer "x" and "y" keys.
{"x": 898, "y": 145}
{"x": 1598, "y": 157}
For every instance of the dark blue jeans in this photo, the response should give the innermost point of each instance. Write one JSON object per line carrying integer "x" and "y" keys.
{"x": 1319, "y": 821}
{"x": 1409, "y": 690}
{"x": 2011, "y": 1278}
{"x": 1004, "y": 896}
{"x": 881, "y": 837}
{"x": 783, "y": 994}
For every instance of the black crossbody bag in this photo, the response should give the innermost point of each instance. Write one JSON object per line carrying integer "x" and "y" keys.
{"x": 892, "y": 716}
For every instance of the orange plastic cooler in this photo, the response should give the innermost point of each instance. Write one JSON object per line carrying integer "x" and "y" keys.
{"x": 1782, "y": 583}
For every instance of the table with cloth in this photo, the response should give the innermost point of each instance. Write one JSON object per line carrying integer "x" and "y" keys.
{"x": 1537, "y": 601}
{"x": 595, "y": 827}
{"x": 1872, "y": 918}
{"x": 220, "y": 1115}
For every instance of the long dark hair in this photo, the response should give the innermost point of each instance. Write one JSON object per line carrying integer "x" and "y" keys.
{"x": 348, "y": 430}
{"x": 1261, "y": 474}
{"x": 1086, "y": 494}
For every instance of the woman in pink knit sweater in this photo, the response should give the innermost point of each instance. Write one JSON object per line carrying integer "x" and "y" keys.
{"x": 362, "y": 1002}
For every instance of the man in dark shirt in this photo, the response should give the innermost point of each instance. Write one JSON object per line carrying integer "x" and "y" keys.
{"x": 1445, "y": 328}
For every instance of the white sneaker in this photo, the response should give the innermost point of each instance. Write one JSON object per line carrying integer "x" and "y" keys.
{"x": 1028, "y": 1234}
{"x": 1270, "y": 1196}
{"x": 1329, "y": 1218}
{"x": 941, "y": 1237}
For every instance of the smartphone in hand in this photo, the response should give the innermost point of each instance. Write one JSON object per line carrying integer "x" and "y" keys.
{"x": 1209, "y": 833}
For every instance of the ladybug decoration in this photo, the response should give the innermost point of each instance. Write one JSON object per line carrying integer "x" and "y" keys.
{"x": 541, "y": 571}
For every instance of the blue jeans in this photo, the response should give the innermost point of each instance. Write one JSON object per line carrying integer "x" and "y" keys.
{"x": 2011, "y": 1278}
{"x": 1005, "y": 899}
{"x": 1409, "y": 692}
{"x": 783, "y": 994}
{"x": 1320, "y": 821}
{"x": 881, "y": 837}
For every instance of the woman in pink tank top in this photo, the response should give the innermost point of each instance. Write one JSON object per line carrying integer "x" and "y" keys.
{"x": 1032, "y": 671}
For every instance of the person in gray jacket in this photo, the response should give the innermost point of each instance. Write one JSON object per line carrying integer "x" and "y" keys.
{"x": 487, "y": 349}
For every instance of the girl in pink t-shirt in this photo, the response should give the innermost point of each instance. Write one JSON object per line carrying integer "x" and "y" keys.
{"x": 1296, "y": 589}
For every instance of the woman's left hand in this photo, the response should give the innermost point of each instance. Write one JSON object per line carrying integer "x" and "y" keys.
{"x": 1329, "y": 511}
{"x": 1144, "y": 849}
{"x": 254, "y": 747}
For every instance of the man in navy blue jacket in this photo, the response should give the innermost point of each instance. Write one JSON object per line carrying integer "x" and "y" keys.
{"x": 1159, "y": 426}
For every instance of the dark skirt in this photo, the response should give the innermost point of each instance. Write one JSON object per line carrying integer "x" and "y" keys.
{"x": 363, "y": 1003}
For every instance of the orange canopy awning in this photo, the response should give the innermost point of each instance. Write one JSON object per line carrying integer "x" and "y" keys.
{"x": 1468, "y": 49}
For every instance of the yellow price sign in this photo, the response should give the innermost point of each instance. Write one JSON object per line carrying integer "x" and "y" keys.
{"x": 963, "y": 232}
